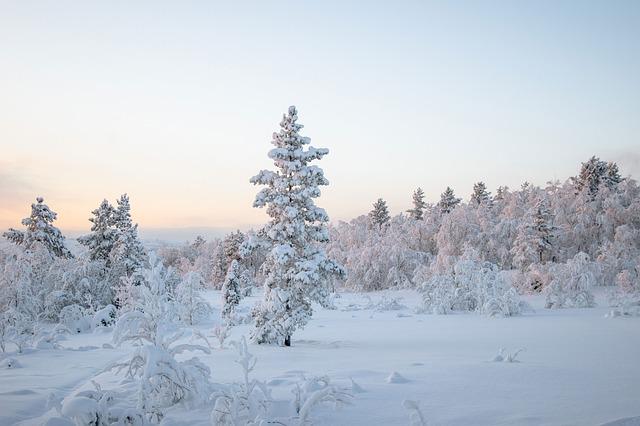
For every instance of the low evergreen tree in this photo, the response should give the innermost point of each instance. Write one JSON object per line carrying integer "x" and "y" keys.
{"x": 417, "y": 212}
{"x": 40, "y": 229}
{"x": 235, "y": 286}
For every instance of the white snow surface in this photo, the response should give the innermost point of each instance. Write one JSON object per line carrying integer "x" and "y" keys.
{"x": 579, "y": 368}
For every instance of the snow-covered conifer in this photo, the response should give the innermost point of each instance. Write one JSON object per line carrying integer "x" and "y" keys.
{"x": 234, "y": 288}
{"x": 103, "y": 233}
{"x": 298, "y": 271}
{"x": 128, "y": 256}
{"x": 40, "y": 229}
{"x": 480, "y": 195}
{"x": 535, "y": 238}
{"x": 417, "y": 212}
{"x": 448, "y": 201}
{"x": 379, "y": 216}
{"x": 231, "y": 245}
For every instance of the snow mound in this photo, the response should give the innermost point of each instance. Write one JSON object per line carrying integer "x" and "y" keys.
{"x": 10, "y": 363}
{"x": 82, "y": 410}
{"x": 58, "y": 421}
{"x": 356, "y": 388}
{"x": 396, "y": 377}
{"x": 627, "y": 421}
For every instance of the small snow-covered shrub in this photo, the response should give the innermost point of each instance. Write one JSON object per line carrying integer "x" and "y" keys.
{"x": 84, "y": 411}
{"x": 387, "y": 303}
{"x": 221, "y": 333}
{"x": 9, "y": 363}
{"x": 97, "y": 407}
{"x": 192, "y": 308}
{"x": 54, "y": 303}
{"x": 105, "y": 317}
{"x": 163, "y": 381}
{"x": 415, "y": 414}
{"x": 316, "y": 391}
{"x": 571, "y": 284}
{"x": 241, "y": 403}
{"x": 75, "y": 318}
{"x": 471, "y": 285}
{"x": 48, "y": 341}
{"x": 249, "y": 402}
{"x": 626, "y": 297}
{"x": 18, "y": 328}
{"x": 504, "y": 356}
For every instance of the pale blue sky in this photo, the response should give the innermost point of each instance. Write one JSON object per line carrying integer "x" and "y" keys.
{"x": 175, "y": 102}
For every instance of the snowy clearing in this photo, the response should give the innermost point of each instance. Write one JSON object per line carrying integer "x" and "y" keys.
{"x": 578, "y": 367}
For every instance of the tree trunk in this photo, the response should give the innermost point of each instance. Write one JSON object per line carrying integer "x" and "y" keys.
{"x": 287, "y": 341}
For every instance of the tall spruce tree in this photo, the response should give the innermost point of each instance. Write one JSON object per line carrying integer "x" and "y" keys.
{"x": 448, "y": 201}
{"x": 103, "y": 235}
{"x": 379, "y": 216}
{"x": 480, "y": 195}
{"x": 298, "y": 270}
{"x": 417, "y": 212}
{"x": 40, "y": 229}
{"x": 128, "y": 256}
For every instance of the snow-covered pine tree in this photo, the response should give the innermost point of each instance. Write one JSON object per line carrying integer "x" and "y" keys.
{"x": 298, "y": 270}
{"x": 128, "y": 256}
{"x": 231, "y": 245}
{"x": 535, "y": 237}
{"x": 595, "y": 172}
{"x": 501, "y": 192}
{"x": 480, "y": 194}
{"x": 40, "y": 229}
{"x": 233, "y": 289}
{"x": 417, "y": 212}
{"x": 448, "y": 201}
{"x": 103, "y": 233}
{"x": 219, "y": 266}
{"x": 612, "y": 176}
{"x": 379, "y": 216}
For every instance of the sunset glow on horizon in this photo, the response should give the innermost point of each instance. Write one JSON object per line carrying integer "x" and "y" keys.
{"x": 176, "y": 105}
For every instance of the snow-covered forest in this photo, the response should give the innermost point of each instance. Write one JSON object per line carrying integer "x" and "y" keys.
{"x": 385, "y": 319}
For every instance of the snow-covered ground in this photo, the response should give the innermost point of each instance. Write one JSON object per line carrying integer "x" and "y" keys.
{"x": 578, "y": 367}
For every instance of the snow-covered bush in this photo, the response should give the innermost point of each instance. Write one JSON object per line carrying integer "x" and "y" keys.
{"x": 19, "y": 328}
{"x": 572, "y": 283}
{"x": 163, "y": 381}
{"x": 9, "y": 363}
{"x": 191, "y": 306}
{"x": 249, "y": 402}
{"x": 48, "y": 340}
{"x": 105, "y": 317}
{"x": 471, "y": 285}
{"x": 245, "y": 402}
{"x": 313, "y": 392}
{"x": 76, "y": 318}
